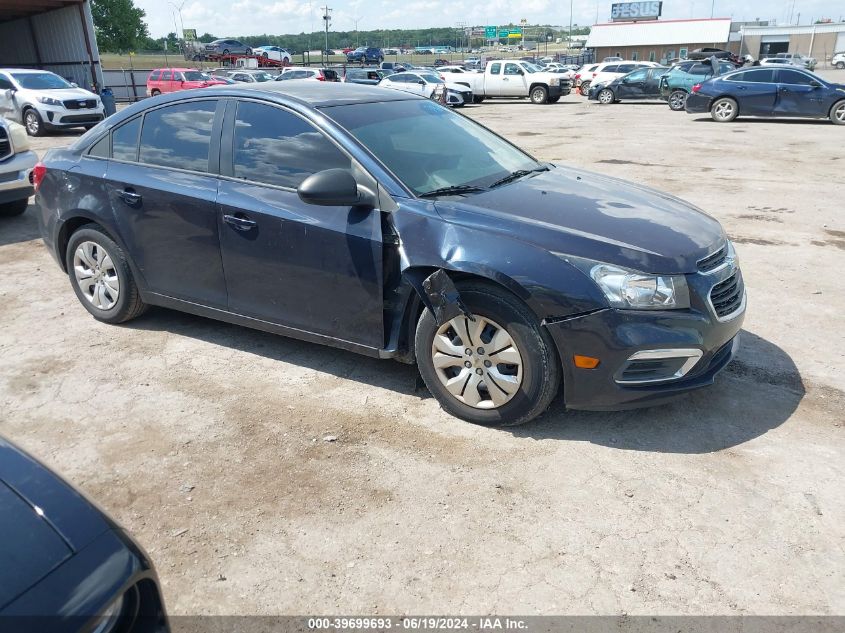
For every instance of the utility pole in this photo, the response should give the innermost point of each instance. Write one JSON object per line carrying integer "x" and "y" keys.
{"x": 327, "y": 18}
{"x": 569, "y": 45}
{"x": 356, "y": 20}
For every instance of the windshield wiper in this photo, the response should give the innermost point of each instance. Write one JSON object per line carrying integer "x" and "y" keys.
{"x": 519, "y": 173}
{"x": 452, "y": 190}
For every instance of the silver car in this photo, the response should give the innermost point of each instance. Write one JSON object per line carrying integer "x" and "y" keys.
{"x": 42, "y": 100}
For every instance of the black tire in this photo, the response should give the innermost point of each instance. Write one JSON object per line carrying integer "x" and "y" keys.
{"x": 554, "y": 99}
{"x": 249, "y": 51}
{"x": 265, "y": 55}
{"x": 33, "y": 123}
{"x": 606, "y": 96}
{"x": 539, "y": 95}
{"x": 840, "y": 65}
{"x": 128, "y": 304}
{"x": 477, "y": 99}
{"x": 541, "y": 367}
{"x": 13, "y": 208}
{"x": 731, "y": 110}
{"x": 584, "y": 88}
{"x": 155, "y": 92}
{"x": 225, "y": 52}
{"x": 837, "y": 113}
{"x": 678, "y": 100}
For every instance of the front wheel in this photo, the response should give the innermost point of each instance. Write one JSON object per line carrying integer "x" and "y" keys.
{"x": 476, "y": 99}
{"x": 606, "y": 96}
{"x": 724, "y": 110}
{"x": 101, "y": 277}
{"x": 500, "y": 369}
{"x": 554, "y": 99}
{"x": 33, "y": 123}
{"x": 840, "y": 65}
{"x": 677, "y": 100}
{"x": 837, "y": 113}
{"x": 539, "y": 95}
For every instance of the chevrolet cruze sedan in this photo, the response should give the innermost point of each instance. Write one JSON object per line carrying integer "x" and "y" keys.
{"x": 381, "y": 222}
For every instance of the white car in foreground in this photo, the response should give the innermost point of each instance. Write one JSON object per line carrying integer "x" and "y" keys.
{"x": 273, "y": 52}
{"x": 429, "y": 85}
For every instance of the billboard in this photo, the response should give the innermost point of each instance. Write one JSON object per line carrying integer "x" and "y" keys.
{"x": 629, "y": 11}
{"x": 189, "y": 34}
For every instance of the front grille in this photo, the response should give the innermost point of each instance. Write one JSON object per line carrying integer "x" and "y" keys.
{"x": 5, "y": 144}
{"x": 80, "y": 104}
{"x": 713, "y": 260}
{"x": 726, "y": 296}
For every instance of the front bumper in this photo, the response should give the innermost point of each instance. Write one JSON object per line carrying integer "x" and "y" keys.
{"x": 698, "y": 103}
{"x": 15, "y": 176}
{"x": 615, "y": 336}
{"x": 59, "y": 117}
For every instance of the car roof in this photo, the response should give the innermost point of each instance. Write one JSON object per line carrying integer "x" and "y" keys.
{"x": 179, "y": 69}
{"x": 315, "y": 94}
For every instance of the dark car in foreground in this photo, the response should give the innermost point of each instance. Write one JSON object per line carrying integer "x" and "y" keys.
{"x": 642, "y": 84}
{"x": 381, "y": 222}
{"x": 64, "y": 565}
{"x": 768, "y": 92}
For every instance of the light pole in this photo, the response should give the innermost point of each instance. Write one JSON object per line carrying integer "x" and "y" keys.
{"x": 179, "y": 11}
{"x": 356, "y": 20}
{"x": 327, "y": 18}
{"x": 569, "y": 44}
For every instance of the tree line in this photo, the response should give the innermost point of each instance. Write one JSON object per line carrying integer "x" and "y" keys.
{"x": 120, "y": 28}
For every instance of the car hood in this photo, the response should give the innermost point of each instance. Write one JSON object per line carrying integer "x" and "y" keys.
{"x": 451, "y": 85}
{"x": 65, "y": 94}
{"x": 580, "y": 213}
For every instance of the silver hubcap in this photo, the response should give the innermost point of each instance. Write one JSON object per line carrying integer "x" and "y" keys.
{"x": 31, "y": 122}
{"x": 538, "y": 95}
{"x": 724, "y": 109}
{"x": 605, "y": 97}
{"x": 96, "y": 275}
{"x": 840, "y": 113}
{"x": 477, "y": 361}
{"x": 677, "y": 101}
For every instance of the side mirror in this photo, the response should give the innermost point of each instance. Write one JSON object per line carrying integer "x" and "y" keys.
{"x": 815, "y": 84}
{"x": 421, "y": 82}
{"x": 333, "y": 188}
{"x": 9, "y": 93}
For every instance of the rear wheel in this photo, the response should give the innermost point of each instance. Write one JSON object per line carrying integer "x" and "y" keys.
{"x": 155, "y": 92}
{"x": 677, "y": 100}
{"x": 13, "y": 208}
{"x": 101, "y": 277}
{"x": 539, "y": 95}
{"x": 249, "y": 51}
{"x": 585, "y": 87}
{"x": 606, "y": 96}
{"x": 225, "y": 51}
{"x": 477, "y": 99}
{"x": 500, "y": 369}
{"x": 724, "y": 110}
{"x": 837, "y": 113}
{"x": 840, "y": 65}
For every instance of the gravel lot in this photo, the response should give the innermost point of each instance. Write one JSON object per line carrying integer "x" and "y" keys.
{"x": 207, "y": 441}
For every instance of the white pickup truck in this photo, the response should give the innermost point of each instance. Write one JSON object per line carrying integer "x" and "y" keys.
{"x": 16, "y": 163}
{"x": 515, "y": 78}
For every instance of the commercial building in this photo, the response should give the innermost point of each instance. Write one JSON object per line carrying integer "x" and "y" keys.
{"x": 55, "y": 35}
{"x": 816, "y": 40}
{"x": 657, "y": 40}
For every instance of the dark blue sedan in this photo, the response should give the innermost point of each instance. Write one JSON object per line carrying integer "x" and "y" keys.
{"x": 769, "y": 92}
{"x": 65, "y": 567}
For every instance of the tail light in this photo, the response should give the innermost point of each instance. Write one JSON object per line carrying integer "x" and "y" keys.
{"x": 320, "y": 77}
{"x": 594, "y": 74}
{"x": 38, "y": 173}
{"x": 696, "y": 88}
{"x": 577, "y": 75}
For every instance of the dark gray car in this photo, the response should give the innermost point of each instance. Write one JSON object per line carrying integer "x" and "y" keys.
{"x": 227, "y": 47}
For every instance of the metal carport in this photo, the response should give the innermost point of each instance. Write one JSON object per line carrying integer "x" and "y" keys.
{"x": 54, "y": 35}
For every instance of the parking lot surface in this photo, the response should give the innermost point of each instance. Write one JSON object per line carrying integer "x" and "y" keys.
{"x": 267, "y": 475}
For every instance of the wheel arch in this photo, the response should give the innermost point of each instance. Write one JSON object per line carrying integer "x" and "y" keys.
{"x": 833, "y": 106}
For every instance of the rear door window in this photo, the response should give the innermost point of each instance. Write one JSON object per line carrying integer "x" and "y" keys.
{"x": 764, "y": 75}
{"x": 610, "y": 69}
{"x": 166, "y": 75}
{"x": 125, "y": 140}
{"x": 275, "y": 147}
{"x": 626, "y": 68}
{"x": 178, "y": 136}
{"x": 793, "y": 77}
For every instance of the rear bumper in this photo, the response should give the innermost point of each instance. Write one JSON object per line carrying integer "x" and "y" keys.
{"x": 698, "y": 104}
{"x": 14, "y": 176}
{"x": 614, "y": 336}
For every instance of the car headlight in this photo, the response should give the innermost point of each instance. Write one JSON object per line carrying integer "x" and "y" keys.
{"x": 20, "y": 139}
{"x": 49, "y": 101}
{"x": 633, "y": 290}
{"x": 554, "y": 81}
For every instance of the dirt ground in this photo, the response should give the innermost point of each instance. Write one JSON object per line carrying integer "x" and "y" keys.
{"x": 206, "y": 440}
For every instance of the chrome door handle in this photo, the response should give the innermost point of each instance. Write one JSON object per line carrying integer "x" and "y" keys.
{"x": 129, "y": 196}
{"x": 241, "y": 224}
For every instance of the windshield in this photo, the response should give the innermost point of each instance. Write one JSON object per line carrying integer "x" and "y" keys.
{"x": 195, "y": 75}
{"x": 531, "y": 68}
{"x": 40, "y": 81}
{"x": 428, "y": 146}
{"x": 263, "y": 76}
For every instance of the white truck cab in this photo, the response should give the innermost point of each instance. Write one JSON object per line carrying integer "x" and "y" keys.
{"x": 516, "y": 78}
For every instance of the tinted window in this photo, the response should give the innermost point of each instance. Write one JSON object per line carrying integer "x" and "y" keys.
{"x": 155, "y": 75}
{"x": 610, "y": 69}
{"x": 512, "y": 69}
{"x": 701, "y": 70}
{"x": 276, "y": 147}
{"x": 5, "y": 84}
{"x": 626, "y": 68}
{"x": 100, "y": 149}
{"x": 166, "y": 75}
{"x": 759, "y": 76}
{"x": 125, "y": 140}
{"x": 495, "y": 69}
{"x": 786, "y": 76}
{"x": 639, "y": 75}
{"x": 178, "y": 135}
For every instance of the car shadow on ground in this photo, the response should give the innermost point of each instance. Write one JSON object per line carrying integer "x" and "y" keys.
{"x": 20, "y": 228}
{"x": 759, "y": 391}
{"x": 776, "y": 121}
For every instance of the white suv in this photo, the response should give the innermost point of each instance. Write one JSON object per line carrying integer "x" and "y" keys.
{"x": 838, "y": 60}
{"x": 16, "y": 163}
{"x": 42, "y": 100}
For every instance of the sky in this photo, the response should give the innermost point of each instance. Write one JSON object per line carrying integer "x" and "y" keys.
{"x": 230, "y": 18}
